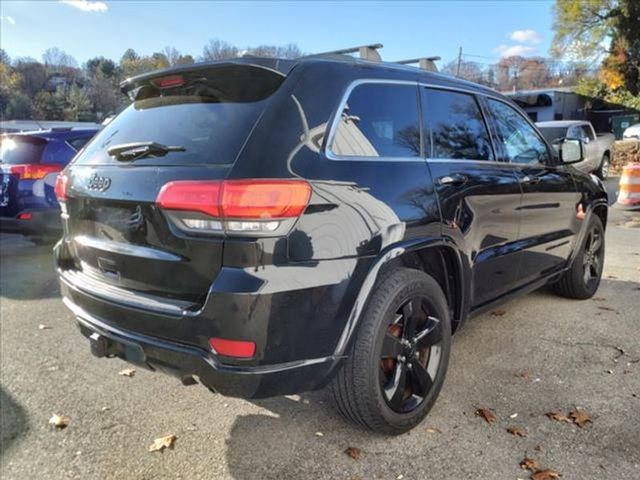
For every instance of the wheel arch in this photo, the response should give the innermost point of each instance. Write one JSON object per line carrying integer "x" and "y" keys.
{"x": 438, "y": 257}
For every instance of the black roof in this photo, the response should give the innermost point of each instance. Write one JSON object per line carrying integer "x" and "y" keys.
{"x": 284, "y": 66}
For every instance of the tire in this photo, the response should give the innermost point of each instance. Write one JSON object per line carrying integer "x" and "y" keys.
{"x": 363, "y": 388}
{"x": 603, "y": 169}
{"x": 576, "y": 283}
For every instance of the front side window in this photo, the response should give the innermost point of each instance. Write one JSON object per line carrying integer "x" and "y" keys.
{"x": 519, "y": 139}
{"x": 454, "y": 125}
{"x": 379, "y": 120}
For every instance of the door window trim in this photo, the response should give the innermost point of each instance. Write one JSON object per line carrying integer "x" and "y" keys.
{"x": 335, "y": 123}
{"x": 480, "y": 97}
{"x": 494, "y": 133}
{"x": 480, "y": 104}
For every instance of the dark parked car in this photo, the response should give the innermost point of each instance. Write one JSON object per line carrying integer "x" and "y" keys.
{"x": 270, "y": 227}
{"x": 29, "y": 165}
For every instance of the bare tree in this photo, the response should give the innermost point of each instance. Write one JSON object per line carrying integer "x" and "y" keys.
{"x": 219, "y": 50}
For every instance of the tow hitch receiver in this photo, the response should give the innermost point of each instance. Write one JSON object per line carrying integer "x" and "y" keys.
{"x": 99, "y": 345}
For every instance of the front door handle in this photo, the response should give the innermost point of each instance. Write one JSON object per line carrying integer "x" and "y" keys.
{"x": 530, "y": 180}
{"x": 455, "y": 179}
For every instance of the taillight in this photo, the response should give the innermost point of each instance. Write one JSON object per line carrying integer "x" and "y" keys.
{"x": 61, "y": 187}
{"x": 35, "y": 171}
{"x": 236, "y": 206}
{"x": 233, "y": 348}
{"x": 170, "y": 81}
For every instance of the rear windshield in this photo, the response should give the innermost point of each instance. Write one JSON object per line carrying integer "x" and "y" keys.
{"x": 209, "y": 114}
{"x": 553, "y": 134}
{"x": 19, "y": 150}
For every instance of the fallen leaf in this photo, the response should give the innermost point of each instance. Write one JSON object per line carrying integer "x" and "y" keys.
{"x": 59, "y": 421}
{"x": 105, "y": 409}
{"x": 529, "y": 464}
{"x": 127, "y": 372}
{"x": 580, "y": 417}
{"x": 353, "y": 452}
{"x": 498, "y": 313}
{"x": 319, "y": 434}
{"x": 546, "y": 474}
{"x": 486, "y": 414}
{"x": 558, "y": 416}
{"x": 517, "y": 431}
{"x": 434, "y": 430}
{"x": 513, "y": 415}
{"x": 524, "y": 375}
{"x": 43, "y": 327}
{"x": 159, "y": 444}
{"x": 538, "y": 448}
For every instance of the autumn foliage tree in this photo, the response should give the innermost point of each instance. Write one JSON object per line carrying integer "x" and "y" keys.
{"x": 583, "y": 27}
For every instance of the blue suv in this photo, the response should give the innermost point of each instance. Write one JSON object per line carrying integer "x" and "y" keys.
{"x": 29, "y": 165}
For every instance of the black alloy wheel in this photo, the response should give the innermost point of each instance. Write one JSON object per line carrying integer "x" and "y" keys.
{"x": 410, "y": 356}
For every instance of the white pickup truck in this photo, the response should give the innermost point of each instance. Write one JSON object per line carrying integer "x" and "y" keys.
{"x": 598, "y": 147}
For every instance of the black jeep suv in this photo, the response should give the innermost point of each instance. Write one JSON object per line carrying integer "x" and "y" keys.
{"x": 270, "y": 227}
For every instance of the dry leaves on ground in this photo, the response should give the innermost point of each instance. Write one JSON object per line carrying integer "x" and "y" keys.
{"x": 59, "y": 421}
{"x": 580, "y": 417}
{"x": 353, "y": 452}
{"x": 433, "y": 430}
{"x": 159, "y": 444}
{"x": 517, "y": 431}
{"x": 498, "y": 313}
{"x": 577, "y": 416}
{"x": 546, "y": 474}
{"x": 558, "y": 416}
{"x": 486, "y": 414}
{"x": 127, "y": 372}
{"x": 529, "y": 464}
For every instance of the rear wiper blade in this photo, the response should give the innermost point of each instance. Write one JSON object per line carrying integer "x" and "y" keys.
{"x": 136, "y": 150}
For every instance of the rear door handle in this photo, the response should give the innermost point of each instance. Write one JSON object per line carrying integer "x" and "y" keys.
{"x": 530, "y": 180}
{"x": 455, "y": 179}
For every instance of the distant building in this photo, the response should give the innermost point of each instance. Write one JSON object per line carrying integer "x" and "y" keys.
{"x": 564, "y": 103}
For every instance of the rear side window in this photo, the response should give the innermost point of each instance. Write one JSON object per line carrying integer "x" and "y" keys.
{"x": 21, "y": 150}
{"x": 78, "y": 143}
{"x": 208, "y": 112}
{"x": 379, "y": 120}
{"x": 454, "y": 125}
{"x": 520, "y": 141}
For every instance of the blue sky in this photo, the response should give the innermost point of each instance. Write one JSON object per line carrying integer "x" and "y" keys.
{"x": 86, "y": 28}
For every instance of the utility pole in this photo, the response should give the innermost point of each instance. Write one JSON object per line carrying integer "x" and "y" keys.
{"x": 459, "y": 61}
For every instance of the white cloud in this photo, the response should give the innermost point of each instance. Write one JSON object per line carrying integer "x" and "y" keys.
{"x": 526, "y": 36}
{"x": 8, "y": 19}
{"x": 86, "y": 5}
{"x": 514, "y": 50}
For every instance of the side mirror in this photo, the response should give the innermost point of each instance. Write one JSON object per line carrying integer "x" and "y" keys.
{"x": 571, "y": 150}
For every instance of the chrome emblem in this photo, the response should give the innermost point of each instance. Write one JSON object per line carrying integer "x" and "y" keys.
{"x": 96, "y": 182}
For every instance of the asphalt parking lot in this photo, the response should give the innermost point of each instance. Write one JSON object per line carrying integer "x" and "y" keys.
{"x": 534, "y": 355}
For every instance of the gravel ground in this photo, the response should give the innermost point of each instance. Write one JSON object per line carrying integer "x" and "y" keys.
{"x": 543, "y": 353}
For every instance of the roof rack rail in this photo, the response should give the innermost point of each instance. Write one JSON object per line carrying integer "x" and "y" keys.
{"x": 366, "y": 52}
{"x": 424, "y": 63}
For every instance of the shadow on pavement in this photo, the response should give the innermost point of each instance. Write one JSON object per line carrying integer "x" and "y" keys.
{"x": 27, "y": 271}
{"x": 280, "y": 443}
{"x": 13, "y": 421}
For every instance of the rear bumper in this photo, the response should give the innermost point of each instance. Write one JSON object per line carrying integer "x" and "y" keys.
{"x": 37, "y": 222}
{"x": 185, "y": 361}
